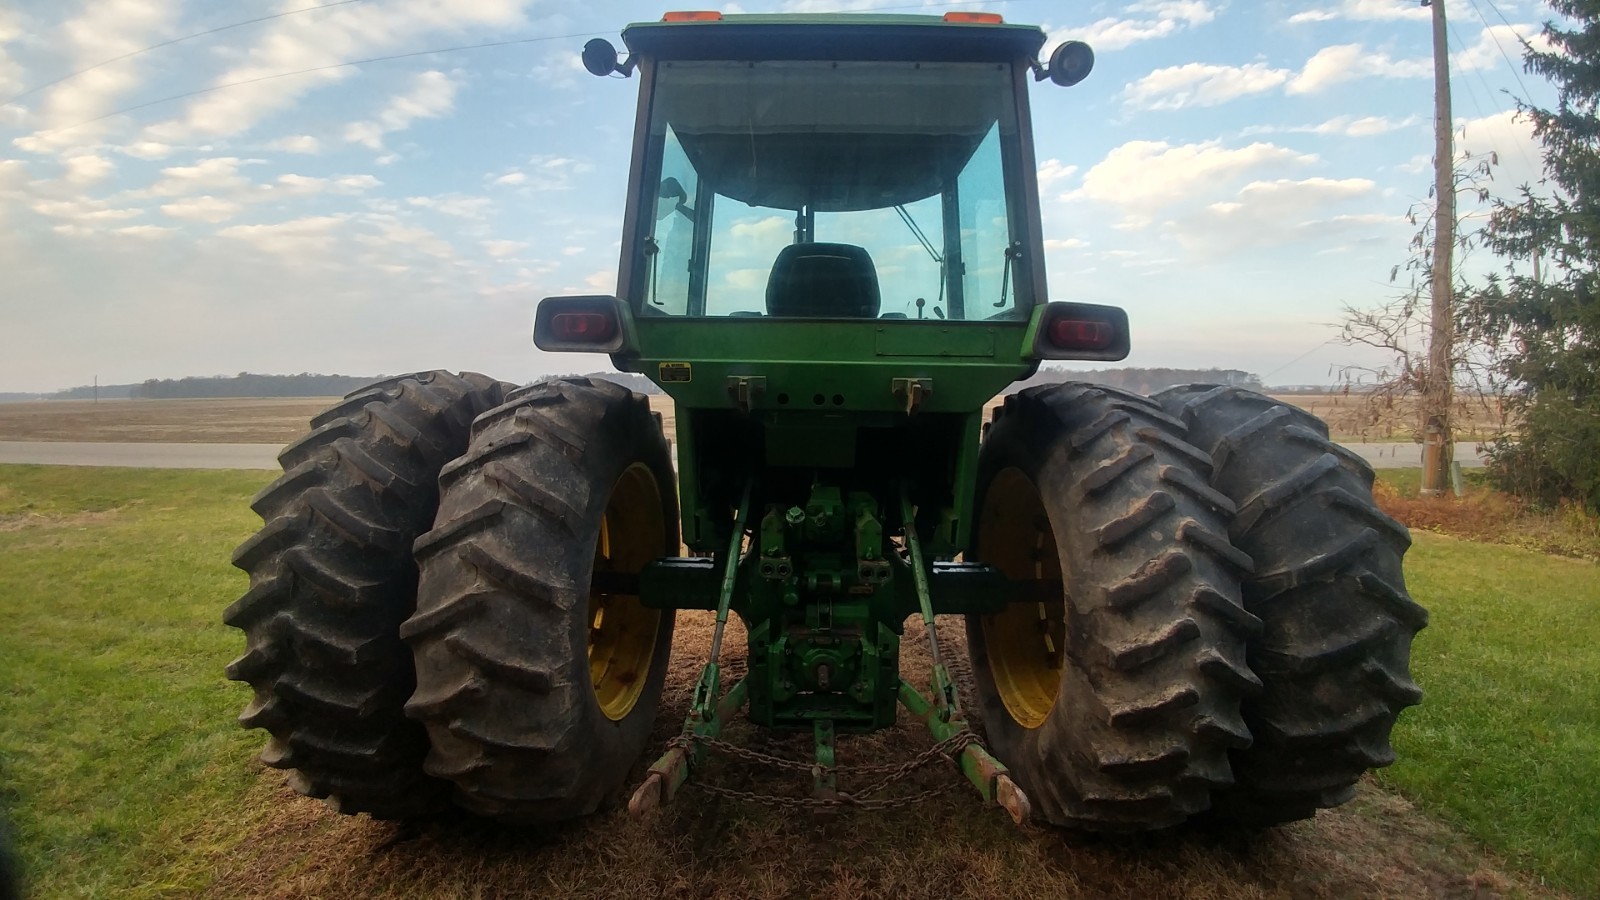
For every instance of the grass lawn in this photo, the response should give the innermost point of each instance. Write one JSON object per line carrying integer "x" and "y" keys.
{"x": 124, "y": 773}
{"x": 1506, "y": 742}
{"x": 116, "y": 728}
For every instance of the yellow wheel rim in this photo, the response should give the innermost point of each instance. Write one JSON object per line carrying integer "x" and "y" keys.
{"x": 622, "y": 632}
{"x": 1026, "y": 642}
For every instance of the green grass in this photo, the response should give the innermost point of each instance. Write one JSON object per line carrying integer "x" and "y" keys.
{"x": 116, "y": 725}
{"x": 1507, "y": 741}
{"x": 124, "y": 773}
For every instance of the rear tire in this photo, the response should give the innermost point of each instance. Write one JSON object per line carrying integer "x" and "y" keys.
{"x": 1115, "y": 708}
{"x": 538, "y": 693}
{"x": 1328, "y": 585}
{"x": 331, "y": 579}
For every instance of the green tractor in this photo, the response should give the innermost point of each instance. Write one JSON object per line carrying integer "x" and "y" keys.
{"x": 831, "y": 262}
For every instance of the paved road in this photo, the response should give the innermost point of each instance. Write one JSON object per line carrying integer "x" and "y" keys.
{"x": 1409, "y": 456}
{"x": 265, "y": 456}
{"x": 142, "y": 456}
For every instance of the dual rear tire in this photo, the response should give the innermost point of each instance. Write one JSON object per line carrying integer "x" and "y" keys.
{"x": 1234, "y": 631}
{"x": 420, "y": 624}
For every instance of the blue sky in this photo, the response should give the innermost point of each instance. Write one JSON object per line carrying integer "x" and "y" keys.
{"x": 1233, "y": 173}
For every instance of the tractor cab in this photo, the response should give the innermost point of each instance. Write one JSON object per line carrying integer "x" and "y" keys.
{"x": 833, "y": 229}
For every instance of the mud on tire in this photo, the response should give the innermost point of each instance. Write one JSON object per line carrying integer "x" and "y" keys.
{"x": 537, "y": 692}
{"x": 1116, "y": 708}
{"x": 1328, "y": 585}
{"x": 331, "y": 579}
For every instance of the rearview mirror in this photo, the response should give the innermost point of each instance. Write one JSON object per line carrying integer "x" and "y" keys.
{"x": 600, "y": 58}
{"x": 1071, "y": 63}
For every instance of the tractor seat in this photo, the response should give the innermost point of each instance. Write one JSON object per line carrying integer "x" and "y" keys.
{"x": 823, "y": 281}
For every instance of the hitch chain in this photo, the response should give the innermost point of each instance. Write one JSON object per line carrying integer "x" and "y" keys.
{"x": 888, "y": 774}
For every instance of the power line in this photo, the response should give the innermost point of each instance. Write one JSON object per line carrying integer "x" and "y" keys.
{"x": 1515, "y": 71}
{"x": 178, "y": 40}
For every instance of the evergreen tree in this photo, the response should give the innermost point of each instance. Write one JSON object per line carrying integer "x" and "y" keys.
{"x": 1551, "y": 323}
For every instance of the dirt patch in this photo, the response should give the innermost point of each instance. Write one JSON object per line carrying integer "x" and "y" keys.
{"x": 704, "y": 846}
{"x": 21, "y": 521}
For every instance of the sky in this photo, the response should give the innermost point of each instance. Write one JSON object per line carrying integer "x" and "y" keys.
{"x": 1232, "y": 173}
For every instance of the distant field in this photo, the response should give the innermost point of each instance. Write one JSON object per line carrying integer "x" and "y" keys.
{"x": 1361, "y": 417}
{"x": 274, "y": 420}
{"x": 280, "y": 420}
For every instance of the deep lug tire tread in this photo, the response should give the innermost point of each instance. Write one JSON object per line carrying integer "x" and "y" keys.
{"x": 331, "y": 579}
{"x": 1149, "y": 706}
{"x": 1334, "y": 655}
{"x": 498, "y": 635}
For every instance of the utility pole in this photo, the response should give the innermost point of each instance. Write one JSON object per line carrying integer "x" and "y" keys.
{"x": 1438, "y": 389}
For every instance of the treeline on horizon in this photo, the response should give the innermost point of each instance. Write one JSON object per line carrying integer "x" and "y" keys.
{"x": 250, "y": 384}
{"x": 1142, "y": 380}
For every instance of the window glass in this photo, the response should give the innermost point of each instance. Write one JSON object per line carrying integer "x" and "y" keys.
{"x": 893, "y": 174}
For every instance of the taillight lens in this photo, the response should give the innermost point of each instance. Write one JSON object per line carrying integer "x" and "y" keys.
{"x": 1081, "y": 334}
{"x": 583, "y": 327}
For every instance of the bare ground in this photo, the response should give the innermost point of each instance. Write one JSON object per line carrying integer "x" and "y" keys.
{"x": 704, "y": 846}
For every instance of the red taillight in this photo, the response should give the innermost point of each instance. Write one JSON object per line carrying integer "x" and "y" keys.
{"x": 974, "y": 18}
{"x": 583, "y": 327}
{"x": 1081, "y": 334}
{"x": 695, "y": 15}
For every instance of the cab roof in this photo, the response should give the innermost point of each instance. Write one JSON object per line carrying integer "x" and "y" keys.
{"x": 834, "y": 36}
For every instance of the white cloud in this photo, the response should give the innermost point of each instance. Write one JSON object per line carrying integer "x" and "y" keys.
{"x": 1151, "y": 20}
{"x": 1271, "y": 213}
{"x": 459, "y": 205}
{"x": 86, "y": 168}
{"x": 1052, "y": 171}
{"x": 302, "y": 185}
{"x": 393, "y": 236}
{"x": 13, "y": 173}
{"x": 294, "y": 237}
{"x": 432, "y": 95}
{"x": 102, "y": 30}
{"x": 11, "y": 28}
{"x": 83, "y": 210}
{"x": 1343, "y": 126}
{"x": 297, "y": 143}
{"x": 1365, "y": 126}
{"x": 546, "y": 173}
{"x": 1496, "y": 44}
{"x": 205, "y": 208}
{"x": 1348, "y": 62}
{"x": 1507, "y": 137}
{"x": 146, "y": 150}
{"x": 331, "y": 36}
{"x": 144, "y": 231}
{"x": 1364, "y": 11}
{"x": 503, "y": 249}
{"x": 1065, "y": 243}
{"x": 1141, "y": 178}
{"x": 350, "y": 184}
{"x": 603, "y": 281}
{"x": 215, "y": 174}
{"x": 1198, "y": 84}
